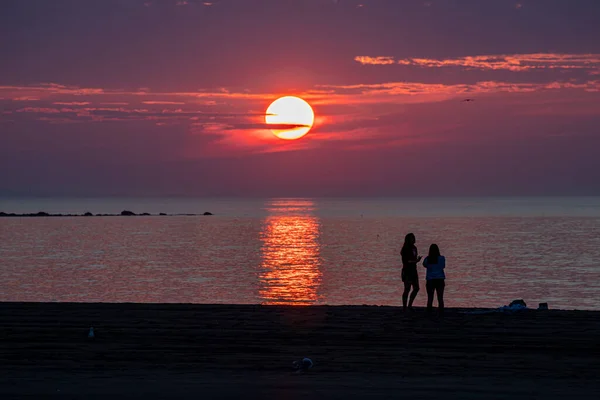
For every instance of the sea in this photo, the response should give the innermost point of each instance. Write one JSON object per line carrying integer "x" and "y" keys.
{"x": 301, "y": 251}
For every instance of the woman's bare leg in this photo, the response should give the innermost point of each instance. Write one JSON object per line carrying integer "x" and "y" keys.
{"x": 440, "y": 297}
{"x": 415, "y": 290}
{"x": 405, "y": 294}
{"x": 430, "y": 290}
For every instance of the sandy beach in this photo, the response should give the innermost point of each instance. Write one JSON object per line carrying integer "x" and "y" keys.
{"x": 229, "y": 351}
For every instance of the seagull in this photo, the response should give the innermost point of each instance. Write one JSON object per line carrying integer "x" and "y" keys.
{"x": 468, "y": 100}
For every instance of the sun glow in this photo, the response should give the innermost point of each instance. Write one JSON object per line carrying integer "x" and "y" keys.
{"x": 292, "y": 111}
{"x": 290, "y": 272}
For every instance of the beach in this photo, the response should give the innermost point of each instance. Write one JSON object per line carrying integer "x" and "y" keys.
{"x": 228, "y": 351}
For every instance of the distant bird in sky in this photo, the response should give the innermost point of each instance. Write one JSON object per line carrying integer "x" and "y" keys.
{"x": 468, "y": 100}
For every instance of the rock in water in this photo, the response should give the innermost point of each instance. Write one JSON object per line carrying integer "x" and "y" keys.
{"x": 520, "y": 302}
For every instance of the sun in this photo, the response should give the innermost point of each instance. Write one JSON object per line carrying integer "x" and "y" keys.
{"x": 292, "y": 111}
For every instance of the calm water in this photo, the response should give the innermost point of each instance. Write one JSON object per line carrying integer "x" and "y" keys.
{"x": 301, "y": 251}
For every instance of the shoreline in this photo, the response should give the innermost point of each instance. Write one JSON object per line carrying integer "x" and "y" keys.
{"x": 218, "y": 349}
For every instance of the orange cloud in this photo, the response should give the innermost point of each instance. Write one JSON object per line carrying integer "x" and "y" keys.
{"x": 53, "y": 90}
{"x": 381, "y": 60}
{"x": 26, "y": 98}
{"x": 236, "y": 105}
{"x": 414, "y": 92}
{"x": 510, "y": 62}
{"x": 162, "y": 102}
{"x": 63, "y": 95}
{"x": 43, "y": 110}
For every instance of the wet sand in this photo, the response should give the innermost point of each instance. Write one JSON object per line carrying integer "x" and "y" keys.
{"x": 232, "y": 351}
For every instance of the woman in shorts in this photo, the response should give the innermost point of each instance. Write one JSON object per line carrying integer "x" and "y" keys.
{"x": 410, "y": 277}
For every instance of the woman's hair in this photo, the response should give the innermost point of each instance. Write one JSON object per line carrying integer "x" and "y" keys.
{"x": 434, "y": 253}
{"x": 409, "y": 240}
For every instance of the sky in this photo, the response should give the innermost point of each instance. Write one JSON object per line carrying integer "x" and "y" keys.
{"x": 168, "y": 97}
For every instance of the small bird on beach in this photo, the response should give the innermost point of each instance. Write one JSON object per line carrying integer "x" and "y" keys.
{"x": 91, "y": 333}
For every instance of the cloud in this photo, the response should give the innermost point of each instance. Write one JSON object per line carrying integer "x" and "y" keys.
{"x": 415, "y": 92}
{"x": 509, "y": 62}
{"x": 129, "y": 114}
{"x": 71, "y": 103}
{"x": 51, "y": 90}
{"x": 241, "y": 109}
{"x": 162, "y": 102}
{"x": 26, "y": 98}
{"x": 225, "y": 100}
{"x": 40, "y": 110}
{"x": 259, "y": 126}
{"x": 381, "y": 60}
{"x": 344, "y": 112}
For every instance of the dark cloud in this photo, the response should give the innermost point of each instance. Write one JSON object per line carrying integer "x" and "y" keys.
{"x": 266, "y": 126}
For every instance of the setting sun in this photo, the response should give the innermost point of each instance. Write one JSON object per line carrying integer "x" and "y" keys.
{"x": 292, "y": 111}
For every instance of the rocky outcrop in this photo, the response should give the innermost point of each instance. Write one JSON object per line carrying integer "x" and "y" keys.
{"x": 127, "y": 213}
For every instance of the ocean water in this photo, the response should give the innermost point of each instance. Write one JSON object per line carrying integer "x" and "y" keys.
{"x": 301, "y": 251}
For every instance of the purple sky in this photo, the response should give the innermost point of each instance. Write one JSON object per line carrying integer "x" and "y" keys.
{"x": 167, "y": 97}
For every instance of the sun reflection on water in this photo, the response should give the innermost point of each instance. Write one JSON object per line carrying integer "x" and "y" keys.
{"x": 290, "y": 254}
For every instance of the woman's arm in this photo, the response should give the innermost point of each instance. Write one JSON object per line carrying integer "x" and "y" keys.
{"x": 409, "y": 257}
{"x": 415, "y": 260}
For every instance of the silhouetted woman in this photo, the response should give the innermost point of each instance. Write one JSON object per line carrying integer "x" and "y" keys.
{"x": 410, "y": 258}
{"x": 435, "y": 277}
